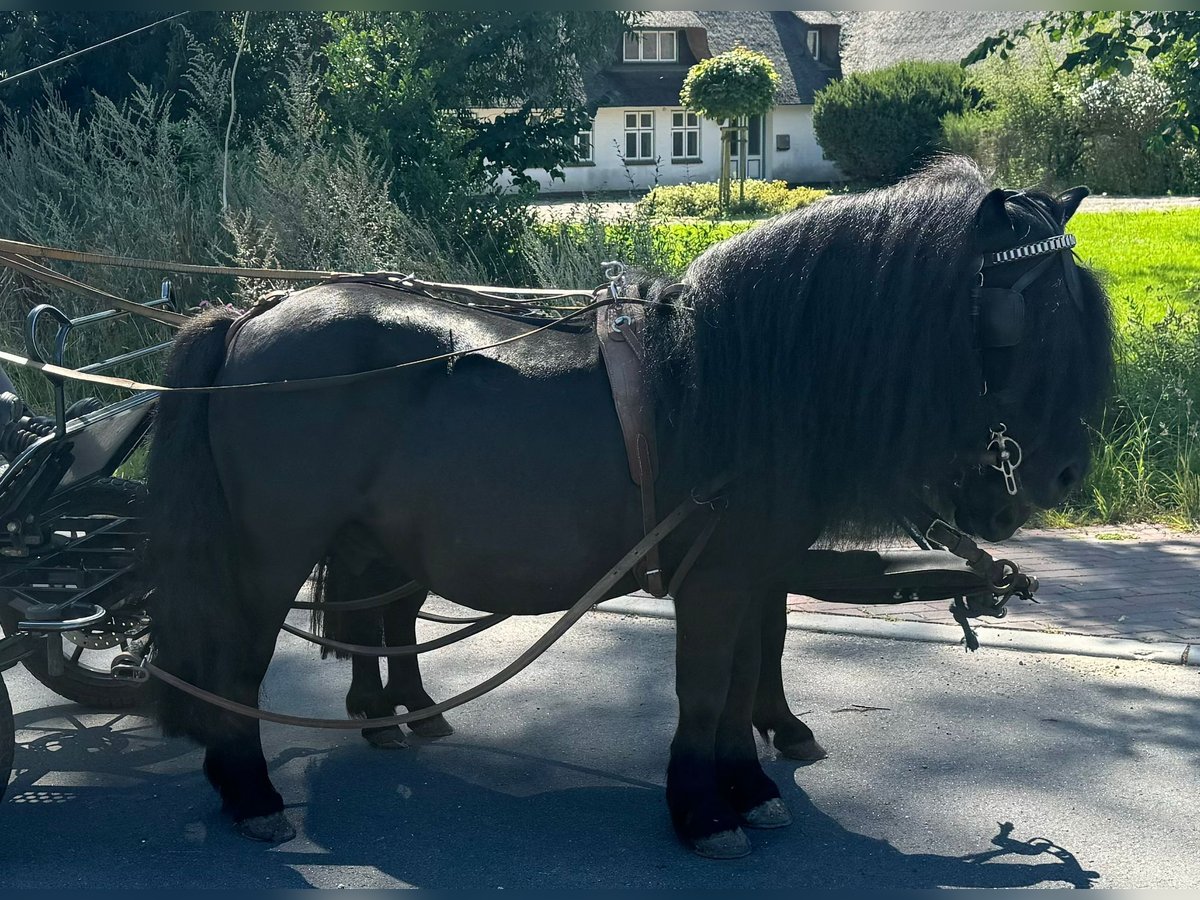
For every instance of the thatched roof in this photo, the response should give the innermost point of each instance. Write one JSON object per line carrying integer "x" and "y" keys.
{"x": 778, "y": 35}
{"x": 877, "y": 38}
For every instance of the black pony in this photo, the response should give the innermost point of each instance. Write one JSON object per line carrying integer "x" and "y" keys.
{"x": 829, "y": 359}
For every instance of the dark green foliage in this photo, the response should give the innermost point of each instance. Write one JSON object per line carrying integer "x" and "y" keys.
{"x": 410, "y": 80}
{"x": 1109, "y": 42}
{"x": 157, "y": 58}
{"x": 879, "y": 126}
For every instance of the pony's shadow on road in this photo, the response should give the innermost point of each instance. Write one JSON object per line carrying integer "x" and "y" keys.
{"x": 471, "y": 815}
{"x": 449, "y": 814}
{"x": 109, "y": 782}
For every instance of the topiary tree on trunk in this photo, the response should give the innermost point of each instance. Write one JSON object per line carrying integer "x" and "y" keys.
{"x": 730, "y": 86}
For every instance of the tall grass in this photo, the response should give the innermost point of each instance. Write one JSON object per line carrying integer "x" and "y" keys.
{"x": 130, "y": 180}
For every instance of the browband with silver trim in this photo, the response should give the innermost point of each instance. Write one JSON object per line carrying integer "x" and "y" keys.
{"x": 1038, "y": 248}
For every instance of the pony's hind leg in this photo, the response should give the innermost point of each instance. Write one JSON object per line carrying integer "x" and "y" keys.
{"x": 773, "y": 717}
{"x": 404, "y": 685}
{"x": 233, "y": 760}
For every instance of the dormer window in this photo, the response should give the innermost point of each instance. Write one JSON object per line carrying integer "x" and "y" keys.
{"x": 814, "y": 43}
{"x": 649, "y": 45}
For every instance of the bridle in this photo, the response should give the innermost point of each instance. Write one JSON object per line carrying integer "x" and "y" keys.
{"x": 998, "y": 315}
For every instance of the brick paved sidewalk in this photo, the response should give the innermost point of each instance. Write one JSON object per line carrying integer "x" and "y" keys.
{"x": 1145, "y": 585}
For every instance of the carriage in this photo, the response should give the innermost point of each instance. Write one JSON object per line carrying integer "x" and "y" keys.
{"x": 69, "y": 571}
{"x": 71, "y": 605}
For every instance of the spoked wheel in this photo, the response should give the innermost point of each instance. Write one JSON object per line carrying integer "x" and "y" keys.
{"x": 87, "y": 654}
{"x": 8, "y": 738}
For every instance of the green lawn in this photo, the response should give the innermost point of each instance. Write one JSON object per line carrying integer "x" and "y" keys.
{"x": 1151, "y": 259}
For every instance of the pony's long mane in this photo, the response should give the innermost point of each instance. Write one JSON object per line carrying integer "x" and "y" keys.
{"x": 830, "y": 360}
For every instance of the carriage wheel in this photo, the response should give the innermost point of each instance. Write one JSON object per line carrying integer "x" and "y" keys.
{"x": 86, "y": 677}
{"x": 8, "y": 738}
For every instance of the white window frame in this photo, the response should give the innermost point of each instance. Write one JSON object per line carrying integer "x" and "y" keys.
{"x": 813, "y": 38}
{"x": 643, "y": 38}
{"x": 590, "y": 134}
{"x": 641, "y": 129}
{"x": 682, "y": 124}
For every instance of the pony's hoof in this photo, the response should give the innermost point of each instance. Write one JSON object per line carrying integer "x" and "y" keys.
{"x": 433, "y": 727}
{"x": 807, "y": 750}
{"x": 723, "y": 845}
{"x": 389, "y": 738}
{"x": 274, "y": 829}
{"x": 771, "y": 814}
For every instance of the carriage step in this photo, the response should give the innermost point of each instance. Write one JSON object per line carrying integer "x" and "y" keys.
{"x": 127, "y": 667}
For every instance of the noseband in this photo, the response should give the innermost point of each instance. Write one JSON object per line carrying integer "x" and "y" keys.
{"x": 999, "y": 317}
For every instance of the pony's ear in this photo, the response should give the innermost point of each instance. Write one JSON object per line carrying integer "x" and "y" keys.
{"x": 1070, "y": 200}
{"x": 993, "y": 224}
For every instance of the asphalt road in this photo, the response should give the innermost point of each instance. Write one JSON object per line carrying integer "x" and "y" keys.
{"x": 994, "y": 770}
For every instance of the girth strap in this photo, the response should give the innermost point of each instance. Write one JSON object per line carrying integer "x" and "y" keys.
{"x": 618, "y": 328}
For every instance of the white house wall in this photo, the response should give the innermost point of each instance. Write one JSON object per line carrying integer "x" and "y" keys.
{"x": 801, "y": 162}
{"x": 804, "y": 161}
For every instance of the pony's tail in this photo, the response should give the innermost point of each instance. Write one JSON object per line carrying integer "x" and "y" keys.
{"x": 191, "y": 550}
{"x": 333, "y": 584}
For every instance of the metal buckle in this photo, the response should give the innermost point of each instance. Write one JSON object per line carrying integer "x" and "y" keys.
{"x": 1009, "y": 460}
{"x": 928, "y": 535}
{"x": 128, "y": 667}
{"x": 615, "y": 271}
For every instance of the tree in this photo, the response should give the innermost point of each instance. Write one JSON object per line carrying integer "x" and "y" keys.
{"x": 157, "y": 58}
{"x": 1108, "y": 42}
{"x": 730, "y": 87}
{"x": 411, "y": 81}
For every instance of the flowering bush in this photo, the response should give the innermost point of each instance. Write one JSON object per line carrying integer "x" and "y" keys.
{"x": 700, "y": 199}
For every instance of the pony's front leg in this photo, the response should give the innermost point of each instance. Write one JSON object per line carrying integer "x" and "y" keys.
{"x": 772, "y": 716}
{"x": 404, "y": 686}
{"x": 707, "y": 625}
{"x": 751, "y": 793}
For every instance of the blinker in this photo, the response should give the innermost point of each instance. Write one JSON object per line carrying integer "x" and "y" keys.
{"x": 999, "y": 317}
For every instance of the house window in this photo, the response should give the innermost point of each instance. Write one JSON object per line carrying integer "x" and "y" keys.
{"x": 651, "y": 46}
{"x": 814, "y": 43}
{"x": 639, "y": 135}
{"x": 584, "y": 146}
{"x": 685, "y": 135}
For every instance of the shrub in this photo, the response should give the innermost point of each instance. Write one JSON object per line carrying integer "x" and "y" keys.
{"x": 128, "y": 179}
{"x": 701, "y": 199}
{"x": 879, "y": 126}
{"x": 1124, "y": 117}
{"x": 1029, "y": 124}
{"x": 1036, "y": 125}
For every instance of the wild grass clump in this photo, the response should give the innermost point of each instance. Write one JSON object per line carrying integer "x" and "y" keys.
{"x": 130, "y": 180}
